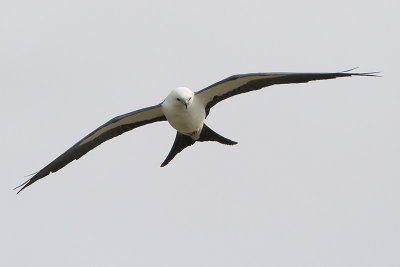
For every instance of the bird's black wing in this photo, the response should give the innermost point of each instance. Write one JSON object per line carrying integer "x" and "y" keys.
{"x": 110, "y": 129}
{"x": 243, "y": 83}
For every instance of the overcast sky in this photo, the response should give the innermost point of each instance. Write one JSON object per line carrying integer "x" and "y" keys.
{"x": 314, "y": 180}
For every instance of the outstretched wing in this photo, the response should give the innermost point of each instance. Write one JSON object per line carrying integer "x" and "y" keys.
{"x": 110, "y": 129}
{"x": 243, "y": 83}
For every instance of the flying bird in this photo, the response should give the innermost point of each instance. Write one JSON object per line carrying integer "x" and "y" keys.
{"x": 185, "y": 111}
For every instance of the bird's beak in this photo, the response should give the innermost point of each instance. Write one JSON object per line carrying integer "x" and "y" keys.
{"x": 186, "y": 103}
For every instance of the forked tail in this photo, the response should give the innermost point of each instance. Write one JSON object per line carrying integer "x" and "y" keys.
{"x": 182, "y": 141}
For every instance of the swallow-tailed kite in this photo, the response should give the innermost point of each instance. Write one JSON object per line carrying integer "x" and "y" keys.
{"x": 185, "y": 111}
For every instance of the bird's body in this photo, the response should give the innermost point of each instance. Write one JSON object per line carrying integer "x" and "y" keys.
{"x": 188, "y": 118}
{"x": 185, "y": 111}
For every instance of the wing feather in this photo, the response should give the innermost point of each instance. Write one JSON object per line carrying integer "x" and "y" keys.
{"x": 110, "y": 129}
{"x": 243, "y": 83}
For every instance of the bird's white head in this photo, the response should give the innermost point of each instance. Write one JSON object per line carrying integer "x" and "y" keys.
{"x": 180, "y": 97}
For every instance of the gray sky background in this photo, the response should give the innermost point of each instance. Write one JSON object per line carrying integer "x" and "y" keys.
{"x": 314, "y": 180}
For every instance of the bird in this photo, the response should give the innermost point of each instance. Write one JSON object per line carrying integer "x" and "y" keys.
{"x": 186, "y": 112}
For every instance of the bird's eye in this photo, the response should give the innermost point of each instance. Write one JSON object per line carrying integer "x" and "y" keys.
{"x": 178, "y": 99}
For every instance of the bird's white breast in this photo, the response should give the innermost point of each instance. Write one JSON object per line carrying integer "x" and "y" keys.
{"x": 185, "y": 121}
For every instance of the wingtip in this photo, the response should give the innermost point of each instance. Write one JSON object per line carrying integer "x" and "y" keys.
{"x": 350, "y": 69}
{"x": 371, "y": 74}
{"x": 22, "y": 186}
{"x": 26, "y": 183}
